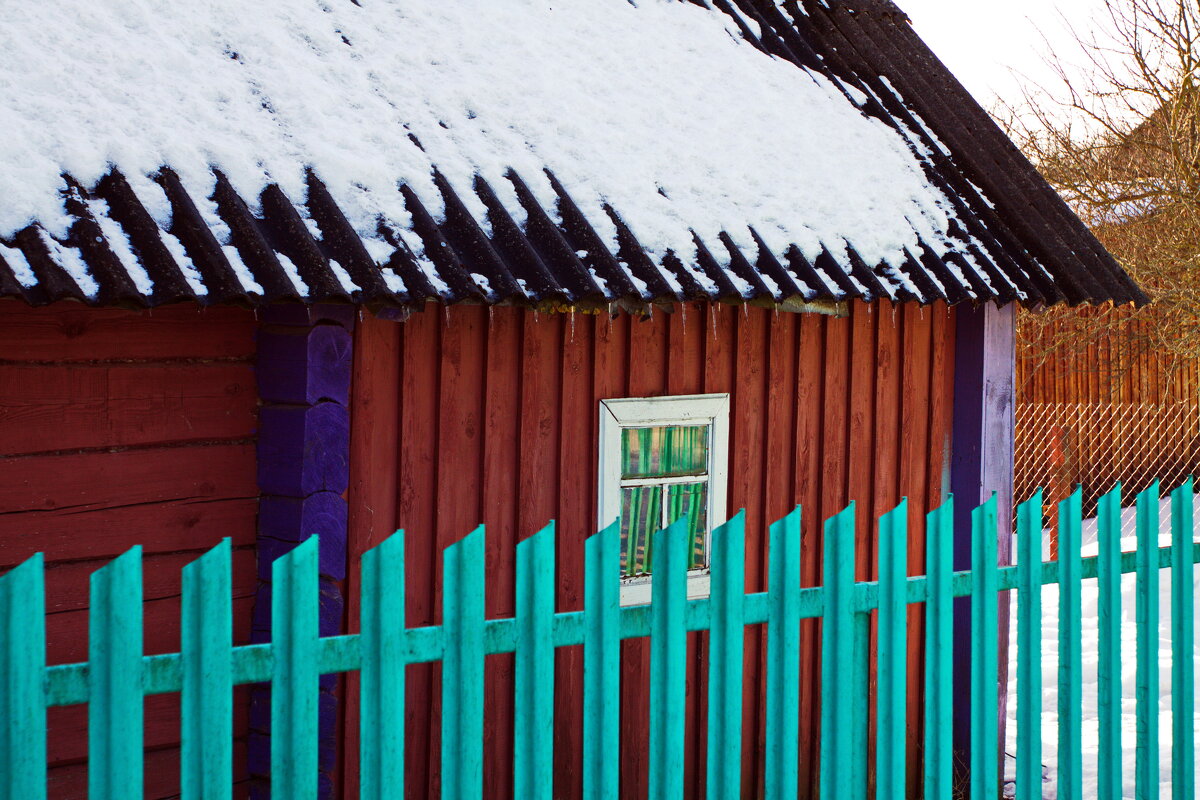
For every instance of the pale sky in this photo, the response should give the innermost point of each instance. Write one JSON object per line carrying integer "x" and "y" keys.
{"x": 982, "y": 40}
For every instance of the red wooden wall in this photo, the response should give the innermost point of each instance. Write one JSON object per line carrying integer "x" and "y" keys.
{"x": 472, "y": 415}
{"x": 120, "y": 428}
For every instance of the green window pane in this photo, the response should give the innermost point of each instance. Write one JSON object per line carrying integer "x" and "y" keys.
{"x": 664, "y": 451}
{"x": 641, "y": 516}
{"x": 690, "y": 501}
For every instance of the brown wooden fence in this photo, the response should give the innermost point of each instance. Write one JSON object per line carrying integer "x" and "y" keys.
{"x": 1099, "y": 405}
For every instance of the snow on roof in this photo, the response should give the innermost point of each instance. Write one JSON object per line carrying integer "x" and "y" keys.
{"x": 661, "y": 111}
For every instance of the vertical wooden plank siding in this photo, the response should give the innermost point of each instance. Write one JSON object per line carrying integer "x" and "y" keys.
{"x": 576, "y": 518}
{"x": 798, "y": 435}
{"x": 809, "y": 347}
{"x": 374, "y": 406}
{"x": 499, "y": 482}
{"x": 645, "y": 375}
{"x": 416, "y": 487}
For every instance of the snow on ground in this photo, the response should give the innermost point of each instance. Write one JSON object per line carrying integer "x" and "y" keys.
{"x": 1090, "y": 661}
{"x": 659, "y": 108}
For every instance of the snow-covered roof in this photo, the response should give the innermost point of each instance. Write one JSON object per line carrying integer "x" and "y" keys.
{"x": 391, "y": 152}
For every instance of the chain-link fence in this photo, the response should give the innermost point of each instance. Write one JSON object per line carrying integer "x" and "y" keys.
{"x": 1063, "y": 445}
{"x": 1101, "y": 400}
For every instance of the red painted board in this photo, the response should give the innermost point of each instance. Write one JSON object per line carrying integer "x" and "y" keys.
{"x": 375, "y": 407}
{"x": 72, "y": 332}
{"x": 51, "y": 408}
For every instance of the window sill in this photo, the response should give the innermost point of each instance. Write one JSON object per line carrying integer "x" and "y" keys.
{"x": 636, "y": 591}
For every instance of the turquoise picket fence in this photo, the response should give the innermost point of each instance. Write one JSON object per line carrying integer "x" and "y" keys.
{"x": 117, "y": 676}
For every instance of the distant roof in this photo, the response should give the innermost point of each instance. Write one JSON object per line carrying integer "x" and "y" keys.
{"x": 589, "y": 153}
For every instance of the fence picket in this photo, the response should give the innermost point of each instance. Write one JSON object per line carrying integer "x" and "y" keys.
{"x": 1029, "y": 647}
{"x": 533, "y": 744}
{"x": 22, "y": 688}
{"x": 602, "y": 664}
{"x": 462, "y": 668}
{"x": 118, "y": 676}
{"x": 115, "y": 679}
{"x": 206, "y": 700}
{"x": 985, "y": 661}
{"x": 939, "y": 648}
{"x": 1070, "y": 656}
{"x": 782, "y": 734}
{"x": 891, "y": 725}
{"x": 382, "y": 686}
{"x": 668, "y": 659}
{"x": 1108, "y": 701}
{"x": 1146, "y": 612}
{"x": 294, "y": 676}
{"x": 1183, "y": 670}
{"x": 725, "y": 653}
{"x": 843, "y": 703}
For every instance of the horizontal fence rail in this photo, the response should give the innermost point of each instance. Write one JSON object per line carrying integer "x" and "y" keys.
{"x": 117, "y": 675}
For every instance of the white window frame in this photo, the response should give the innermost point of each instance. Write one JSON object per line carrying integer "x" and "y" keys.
{"x": 642, "y": 412}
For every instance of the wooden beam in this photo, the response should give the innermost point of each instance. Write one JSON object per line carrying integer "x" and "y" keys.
{"x": 981, "y": 463}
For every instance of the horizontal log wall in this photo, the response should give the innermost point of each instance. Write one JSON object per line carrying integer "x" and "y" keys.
{"x": 120, "y": 428}
{"x": 472, "y": 415}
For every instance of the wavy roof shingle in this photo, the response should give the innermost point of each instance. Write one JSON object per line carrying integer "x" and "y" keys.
{"x": 892, "y": 181}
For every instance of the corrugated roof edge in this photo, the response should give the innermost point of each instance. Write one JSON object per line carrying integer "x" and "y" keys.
{"x": 1028, "y": 245}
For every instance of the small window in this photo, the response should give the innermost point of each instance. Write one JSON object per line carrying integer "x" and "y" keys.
{"x": 662, "y": 459}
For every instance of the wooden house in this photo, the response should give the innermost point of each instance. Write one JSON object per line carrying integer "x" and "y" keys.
{"x": 231, "y": 309}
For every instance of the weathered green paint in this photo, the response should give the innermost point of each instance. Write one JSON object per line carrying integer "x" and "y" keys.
{"x": 668, "y": 660}
{"x": 206, "y": 701}
{"x": 1146, "y": 615}
{"x": 843, "y": 702}
{"x": 782, "y": 739}
{"x": 1029, "y": 645}
{"x": 1183, "y": 668}
{"x": 462, "y": 668}
{"x": 22, "y": 688}
{"x": 115, "y": 679}
{"x": 892, "y": 655}
{"x": 726, "y": 646}
{"x": 533, "y": 741}
{"x": 1070, "y": 656}
{"x": 381, "y": 687}
{"x": 602, "y": 664}
{"x": 985, "y": 661}
{"x": 939, "y": 647}
{"x": 294, "y": 673}
{"x": 1108, "y": 700}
